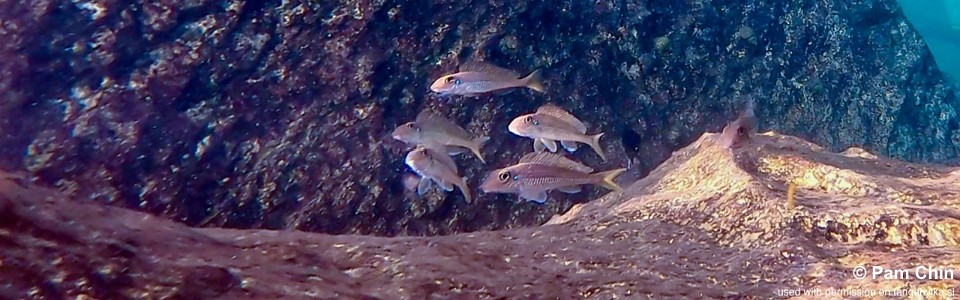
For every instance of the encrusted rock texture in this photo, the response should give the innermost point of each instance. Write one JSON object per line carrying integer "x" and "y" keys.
{"x": 708, "y": 223}
{"x": 276, "y": 114}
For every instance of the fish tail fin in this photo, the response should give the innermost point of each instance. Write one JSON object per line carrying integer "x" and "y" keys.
{"x": 481, "y": 140}
{"x": 477, "y": 144}
{"x": 608, "y": 177}
{"x": 534, "y": 81}
{"x": 595, "y": 144}
{"x": 466, "y": 192}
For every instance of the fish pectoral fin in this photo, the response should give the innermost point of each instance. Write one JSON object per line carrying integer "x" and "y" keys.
{"x": 423, "y": 186}
{"x": 535, "y": 196}
{"x": 465, "y": 190}
{"x": 571, "y": 146}
{"x": 538, "y": 146}
{"x": 573, "y": 189}
{"x": 550, "y": 144}
{"x": 446, "y": 186}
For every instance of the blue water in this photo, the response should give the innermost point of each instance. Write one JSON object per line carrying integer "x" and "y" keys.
{"x": 938, "y": 21}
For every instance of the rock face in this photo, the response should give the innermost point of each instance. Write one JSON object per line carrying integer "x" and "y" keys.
{"x": 708, "y": 223}
{"x": 276, "y": 114}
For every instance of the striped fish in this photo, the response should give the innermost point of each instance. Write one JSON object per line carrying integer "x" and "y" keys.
{"x": 480, "y": 78}
{"x": 550, "y": 124}
{"x": 539, "y": 172}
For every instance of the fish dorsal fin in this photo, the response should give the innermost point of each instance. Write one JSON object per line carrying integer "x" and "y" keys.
{"x": 563, "y": 115}
{"x": 556, "y": 160}
{"x": 434, "y": 121}
{"x": 443, "y": 159}
{"x": 488, "y": 68}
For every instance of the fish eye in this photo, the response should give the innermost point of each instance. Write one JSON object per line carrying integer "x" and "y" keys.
{"x": 516, "y": 177}
{"x": 454, "y": 80}
{"x": 739, "y": 130}
{"x": 504, "y": 176}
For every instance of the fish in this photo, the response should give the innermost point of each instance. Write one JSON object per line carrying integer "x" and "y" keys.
{"x": 481, "y": 78}
{"x": 550, "y": 124}
{"x": 539, "y": 172}
{"x": 436, "y": 132}
{"x": 741, "y": 129}
{"x": 434, "y": 166}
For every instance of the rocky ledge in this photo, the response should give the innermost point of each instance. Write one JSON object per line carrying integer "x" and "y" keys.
{"x": 707, "y": 223}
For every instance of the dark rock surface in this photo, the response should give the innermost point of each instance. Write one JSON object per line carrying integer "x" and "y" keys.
{"x": 270, "y": 114}
{"x": 708, "y": 223}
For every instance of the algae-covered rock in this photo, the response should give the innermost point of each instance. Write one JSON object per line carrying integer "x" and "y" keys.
{"x": 276, "y": 114}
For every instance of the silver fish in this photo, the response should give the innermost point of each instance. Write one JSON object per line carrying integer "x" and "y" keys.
{"x": 479, "y": 78}
{"x": 740, "y": 130}
{"x": 539, "y": 172}
{"x": 551, "y": 123}
{"x": 436, "y": 132}
{"x": 434, "y": 166}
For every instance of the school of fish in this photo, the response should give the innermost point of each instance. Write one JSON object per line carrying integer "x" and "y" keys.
{"x": 435, "y": 139}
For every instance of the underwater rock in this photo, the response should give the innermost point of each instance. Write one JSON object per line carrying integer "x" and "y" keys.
{"x": 267, "y": 114}
{"x": 708, "y": 223}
